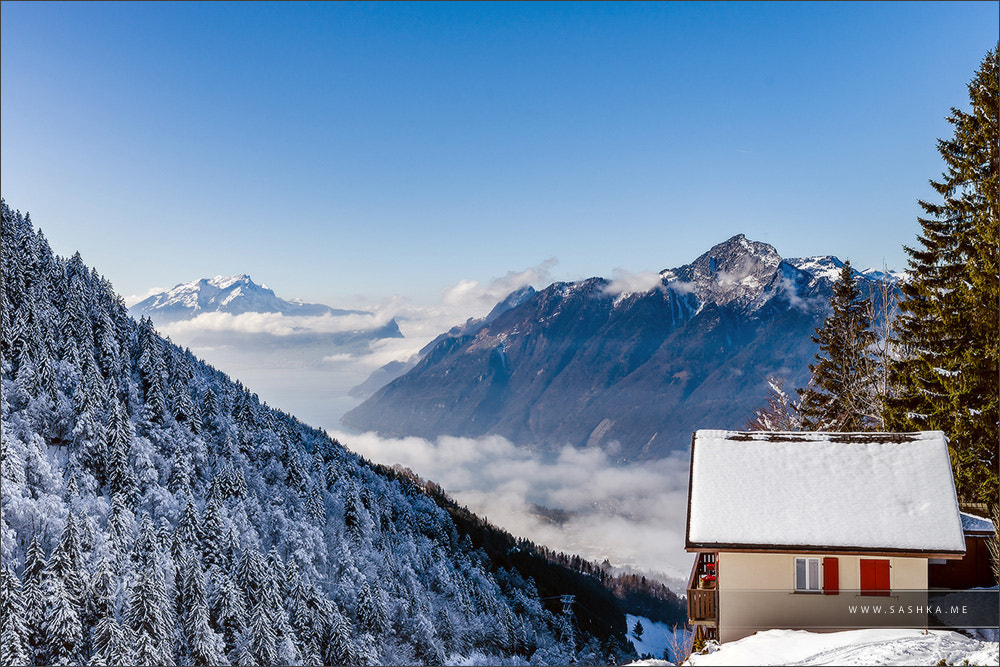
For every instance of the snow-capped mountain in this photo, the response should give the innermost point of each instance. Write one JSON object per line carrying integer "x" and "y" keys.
{"x": 155, "y": 511}
{"x": 233, "y": 294}
{"x": 633, "y": 372}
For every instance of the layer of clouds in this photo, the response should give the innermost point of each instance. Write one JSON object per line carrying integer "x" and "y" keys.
{"x": 632, "y": 514}
{"x": 308, "y": 365}
{"x": 274, "y": 324}
{"x": 469, "y": 294}
{"x": 626, "y": 282}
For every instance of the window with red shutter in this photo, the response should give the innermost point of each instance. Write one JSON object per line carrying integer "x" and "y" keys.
{"x": 874, "y": 576}
{"x": 831, "y": 576}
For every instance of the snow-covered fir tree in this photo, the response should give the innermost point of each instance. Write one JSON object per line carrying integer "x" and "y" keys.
{"x": 840, "y": 395}
{"x": 155, "y": 512}
{"x": 948, "y": 372}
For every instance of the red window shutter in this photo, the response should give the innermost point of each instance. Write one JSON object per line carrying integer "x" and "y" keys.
{"x": 874, "y": 576}
{"x": 831, "y": 576}
{"x": 882, "y": 576}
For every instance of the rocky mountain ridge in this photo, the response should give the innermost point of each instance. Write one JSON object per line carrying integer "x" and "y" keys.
{"x": 632, "y": 372}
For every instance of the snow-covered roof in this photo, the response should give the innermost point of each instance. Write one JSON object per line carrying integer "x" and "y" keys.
{"x": 976, "y": 524}
{"x": 890, "y": 492}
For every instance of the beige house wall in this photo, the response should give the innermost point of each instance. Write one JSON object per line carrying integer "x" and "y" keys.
{"x": 757, "y": 592}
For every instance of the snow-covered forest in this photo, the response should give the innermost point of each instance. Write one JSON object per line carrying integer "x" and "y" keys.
{"x": 156, "y": 512}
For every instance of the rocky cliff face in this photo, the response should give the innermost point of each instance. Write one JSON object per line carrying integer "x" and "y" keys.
{"x": 633, "y": 373}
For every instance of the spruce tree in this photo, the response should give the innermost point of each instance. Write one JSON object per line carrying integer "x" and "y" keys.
{"x": 948, "y": 376}
{"x": 112, "y": 643}
{"x": 202, "y": 645}
{"x": 66, "y": 561}
{"x": 259, "y": 639}
{"x": 229, "y": 613}
{"x": 121, "y": 476}
{"x": 839, "y": 395}
{"x": 373, "y": 616}
{"x": 150, "y": 617}
{"x": 61, "y": 628}
{"x": 14, "y": 647}
{"x": 638, "y": 630}
{"x": 33, "y": 577}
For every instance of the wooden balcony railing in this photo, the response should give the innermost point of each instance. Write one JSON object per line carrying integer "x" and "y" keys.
{"x": 703, "y": 607}
{"x": 703, "y": 603}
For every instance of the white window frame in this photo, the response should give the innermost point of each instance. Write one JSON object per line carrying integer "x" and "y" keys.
{"x": 811, "y": 580}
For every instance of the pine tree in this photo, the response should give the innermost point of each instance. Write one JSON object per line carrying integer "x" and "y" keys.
{"x": 259, "y": 639}
{"x": 229, "y": 614}
{"x": 315, "y": 507}
{"x": 638, "y": 630}
{"x": 121, "y": 476}
{"x": 14, "y": 645}
{"x": 112, "y": 643}
{"x": 61, "y": 628}
{"x": 99, "y": 602}
{"x": 372, "y": 613}
{"x": 66, "y": 561}
{"x": 337, "y": 647}
{"x": 150, "y": 618}
{"x": 203, "y": 646}
{"x": 213, "y": 534}
{"x": 948, "y": 374}
{"x": 189, "y": 527}
{"x": 33, "y": 577}
{"x": 839, "y": 395}
{"x": 179, "y": 481}
{"x": 250, "y": 573}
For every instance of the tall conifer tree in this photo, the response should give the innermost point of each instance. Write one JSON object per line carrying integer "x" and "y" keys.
{"x": 839, "y": 395}
{"x": 948, "y": 376}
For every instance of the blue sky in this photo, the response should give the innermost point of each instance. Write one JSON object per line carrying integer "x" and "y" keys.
{"x": 343, "y": 153}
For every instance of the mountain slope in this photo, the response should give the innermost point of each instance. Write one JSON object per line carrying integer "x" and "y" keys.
{"x": 635, "y": 373}
{"x": 234, "y": 295}
{"x": 156, "y": 512}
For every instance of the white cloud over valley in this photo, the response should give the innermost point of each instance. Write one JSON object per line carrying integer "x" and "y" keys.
{"x": 632, "y": 514}
{"x": 575, "y": 500}
{"x": 274, "y": 324}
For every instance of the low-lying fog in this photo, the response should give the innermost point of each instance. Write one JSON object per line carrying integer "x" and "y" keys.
{"x": 578, "y": 501}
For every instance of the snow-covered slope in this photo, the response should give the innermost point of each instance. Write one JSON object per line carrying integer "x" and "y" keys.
{"x": 155, "y": 511}
{"x": 853, "y": 647}
{"x": 233, "y": 294}
{"x": 658, "y": 639}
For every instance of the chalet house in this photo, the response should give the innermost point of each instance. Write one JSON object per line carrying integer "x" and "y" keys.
{"x": 974, "y": 569}
{"x": 792, "y": 530}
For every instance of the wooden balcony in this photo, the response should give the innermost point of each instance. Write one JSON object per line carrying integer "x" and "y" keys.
{"x": 702, "y": 602}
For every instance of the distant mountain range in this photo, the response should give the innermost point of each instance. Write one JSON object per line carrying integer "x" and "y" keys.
{"x": 238, "y": 295}
{"x": 234, "y": 295}
{"x": 634, "y": 373}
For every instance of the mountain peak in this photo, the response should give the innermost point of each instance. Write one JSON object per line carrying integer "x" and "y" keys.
{"x": 225, "y": 282}
{"x": 236, "y": 294}
{"x": 736, "y": 270}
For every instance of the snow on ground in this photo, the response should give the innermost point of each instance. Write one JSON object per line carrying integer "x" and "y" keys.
{"x": 853, "y": 647}
{"x": 656, "y": 638}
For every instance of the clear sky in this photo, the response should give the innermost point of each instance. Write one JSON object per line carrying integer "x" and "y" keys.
{"x": 348, "y": 152}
